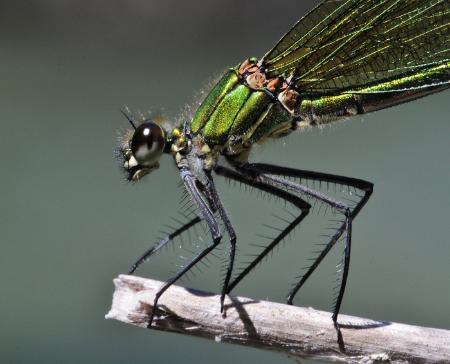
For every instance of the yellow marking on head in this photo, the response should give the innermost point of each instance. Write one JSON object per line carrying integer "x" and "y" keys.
{"x": 176, "y": 133}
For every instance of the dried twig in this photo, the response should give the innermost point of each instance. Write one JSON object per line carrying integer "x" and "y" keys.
{"x": 296, "y": 331}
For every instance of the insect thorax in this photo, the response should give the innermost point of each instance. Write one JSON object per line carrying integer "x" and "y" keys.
{"x": 243, "y": 108}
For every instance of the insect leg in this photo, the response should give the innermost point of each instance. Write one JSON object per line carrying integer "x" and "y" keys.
{"x": 155, "y": 248}
{"x": 271, "y": 174}
{"x": 231, "y": 233}
{"x": 208, "y": 215}
{"x": 293, "y": 199}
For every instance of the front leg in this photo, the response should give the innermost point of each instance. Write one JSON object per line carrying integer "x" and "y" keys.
{"x": 163, "y": 242}
{"x": 201, "y": 199}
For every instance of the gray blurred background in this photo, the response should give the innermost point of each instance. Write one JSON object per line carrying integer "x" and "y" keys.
{"x": 70, "y": 224}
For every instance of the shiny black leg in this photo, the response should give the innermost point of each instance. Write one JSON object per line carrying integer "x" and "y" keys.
{"x": 231, "y": 233}
{"x": 274, "y": 175}
{"x": 295, "y": 200}
{"x": 169, "y": 238}
{"x": 201, "y": 198}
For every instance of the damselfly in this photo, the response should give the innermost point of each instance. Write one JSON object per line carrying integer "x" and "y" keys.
{"x": 343, "y": 58}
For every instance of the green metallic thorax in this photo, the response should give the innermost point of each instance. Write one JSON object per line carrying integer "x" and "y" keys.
{"x": 234, "y": 114}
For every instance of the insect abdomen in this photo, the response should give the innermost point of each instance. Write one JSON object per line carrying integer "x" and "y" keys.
{"x": 325, "y": 109}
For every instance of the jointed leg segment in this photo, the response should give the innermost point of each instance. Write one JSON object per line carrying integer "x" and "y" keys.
{"x": 274, "y": 175}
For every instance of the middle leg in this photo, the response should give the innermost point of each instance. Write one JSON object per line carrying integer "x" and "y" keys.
{"x": 276, "y": 175}
{"x": 302, "y": 205}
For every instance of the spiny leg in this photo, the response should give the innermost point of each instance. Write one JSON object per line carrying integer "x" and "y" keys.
{"x": 367, "y": 187}
{"x": 263, "y": 170}
{"x": 172, "y": 280}
{"x": 293, "y": 199}
{"x": 207, "y": 214}
{"x": 164, "y": 242}
{"x": 231, "y": 233}
{"x": 176, "y": 232}
{"x": 266, "y": 172}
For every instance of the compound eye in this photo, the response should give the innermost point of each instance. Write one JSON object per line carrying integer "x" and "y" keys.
{"x": 147, "y": 143}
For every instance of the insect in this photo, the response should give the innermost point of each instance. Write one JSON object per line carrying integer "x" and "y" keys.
{"x": 343, "y": 58}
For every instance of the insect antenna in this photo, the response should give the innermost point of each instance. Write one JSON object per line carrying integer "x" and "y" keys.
{"x": 130, "y": 120}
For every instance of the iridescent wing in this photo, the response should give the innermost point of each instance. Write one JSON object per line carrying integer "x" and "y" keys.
{"x": 350, "y": 44}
